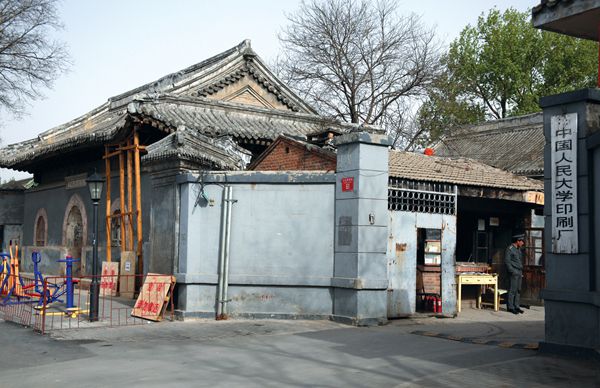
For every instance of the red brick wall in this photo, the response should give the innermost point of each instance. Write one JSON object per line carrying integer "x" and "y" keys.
{"x": 289, "y": 156}
{"x": 429, "y": 279}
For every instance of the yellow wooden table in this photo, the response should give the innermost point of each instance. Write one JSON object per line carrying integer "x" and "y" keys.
{"x": 477, "y": 279}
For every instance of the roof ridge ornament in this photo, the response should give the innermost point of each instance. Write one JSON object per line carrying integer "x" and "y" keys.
{"x": 246, "y": 50}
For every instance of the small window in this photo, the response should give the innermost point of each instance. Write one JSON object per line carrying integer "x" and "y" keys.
{"x": 40, "y": 229}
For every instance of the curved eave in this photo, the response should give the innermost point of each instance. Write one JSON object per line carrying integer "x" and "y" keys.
{"x": 32, "y": 153}
{"x": 190, "y": 157}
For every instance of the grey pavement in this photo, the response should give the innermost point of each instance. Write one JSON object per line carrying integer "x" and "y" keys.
{"x": 276, "y": 353}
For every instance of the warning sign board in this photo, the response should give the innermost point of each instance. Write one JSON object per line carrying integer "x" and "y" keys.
{"x": 154, "y": 297}
{"x": 109, "y": 279}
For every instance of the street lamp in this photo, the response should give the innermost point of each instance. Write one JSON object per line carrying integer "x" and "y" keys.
{"x": 95, "y": 183}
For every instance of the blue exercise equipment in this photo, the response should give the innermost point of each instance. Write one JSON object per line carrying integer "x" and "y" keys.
{"x": 35, "y": 293}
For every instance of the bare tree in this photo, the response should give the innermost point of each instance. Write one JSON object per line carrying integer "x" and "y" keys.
{"x": 30, "y": 60}
{"x": 359, "y": 61}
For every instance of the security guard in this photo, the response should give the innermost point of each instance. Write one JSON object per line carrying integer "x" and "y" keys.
{"x": 514, "y": 265}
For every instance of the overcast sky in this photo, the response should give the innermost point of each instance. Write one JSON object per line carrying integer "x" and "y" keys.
{"x": 117, "y": 45}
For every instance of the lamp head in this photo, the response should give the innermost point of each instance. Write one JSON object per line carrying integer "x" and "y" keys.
{"x": 95, "y": 184}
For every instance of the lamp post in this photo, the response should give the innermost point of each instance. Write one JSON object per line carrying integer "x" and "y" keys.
{"x": 95, "y": 183}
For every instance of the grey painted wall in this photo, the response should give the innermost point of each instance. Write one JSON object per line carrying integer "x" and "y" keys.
{"x": 281, "y": 257}
{"x": 11, "y": 217}
{"x": 300, "y": 245}
{"x": 11, "y": 207}
{"x": 402, "y": 262}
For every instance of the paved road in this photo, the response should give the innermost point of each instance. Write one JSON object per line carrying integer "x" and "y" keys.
{"x": 270, "y": 353}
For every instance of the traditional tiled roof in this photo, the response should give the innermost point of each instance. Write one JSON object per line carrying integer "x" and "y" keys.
{"x": 16, "y": 185}
{"x": 177, "y": 100}
{"x": 458, "y": 171}
{"x": 190, "y": 145}
{"x": 217, "y": 118}
{"x": 209, "y": 117}
{"x": 95, "y": 128}
{"x": 515, "y": 144}
{"x": 215, "y": 73}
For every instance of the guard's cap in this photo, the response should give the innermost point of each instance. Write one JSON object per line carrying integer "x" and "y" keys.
{"x": 519, "y": 237}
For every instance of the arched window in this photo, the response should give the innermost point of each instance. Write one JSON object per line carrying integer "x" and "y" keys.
{"x": 75, "y": 226}
{"x": 40, "y": 231}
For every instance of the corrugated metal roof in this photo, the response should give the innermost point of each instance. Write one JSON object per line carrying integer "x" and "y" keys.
{"x": 515, "y": 144}
{"x": 459, "y": 171}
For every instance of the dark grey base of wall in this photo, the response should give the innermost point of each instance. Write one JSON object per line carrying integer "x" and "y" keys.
{"x": 570, "y": 351}
{"x": 359, "y": 321}
{"x": 183, "y": 315}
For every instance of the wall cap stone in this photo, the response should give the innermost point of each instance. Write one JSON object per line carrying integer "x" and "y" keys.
{"x": 260, "y": 177}
{"x": 363, "y": 137}
{"x": 582, "y": 95}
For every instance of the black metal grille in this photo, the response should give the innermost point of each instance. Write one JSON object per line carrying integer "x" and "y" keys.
{"x": 421, "y": 197}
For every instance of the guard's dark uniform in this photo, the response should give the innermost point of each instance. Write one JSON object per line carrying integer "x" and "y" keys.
{"x": 514, "y": 265}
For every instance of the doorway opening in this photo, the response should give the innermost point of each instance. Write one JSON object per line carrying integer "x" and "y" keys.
{"x": 429, "y": 274}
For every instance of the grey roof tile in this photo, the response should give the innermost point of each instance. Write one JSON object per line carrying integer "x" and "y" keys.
{"x": 205, "y": 116}
{"x": 515, "y": 144}
{"x": 459, "y": 171}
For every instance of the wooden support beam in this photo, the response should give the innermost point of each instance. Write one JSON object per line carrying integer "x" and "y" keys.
{"x": 130, "y": 194}
{"x": 119, "y": 215}
{"x": 119, "y": 149}
{"x": 108, "y": 204}
{"x": 123, "y": 209}
{"x": 138, "y": 199}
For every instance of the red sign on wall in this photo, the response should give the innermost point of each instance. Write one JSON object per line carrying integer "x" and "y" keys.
{"x": 348, "y": 184}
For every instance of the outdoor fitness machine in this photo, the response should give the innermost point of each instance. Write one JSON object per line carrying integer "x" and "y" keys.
{"x": 69, "y": 281}
{"x": 14, "y": 290}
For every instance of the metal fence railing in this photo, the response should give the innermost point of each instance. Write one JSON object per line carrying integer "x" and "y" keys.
{"x": 61, "y": 302}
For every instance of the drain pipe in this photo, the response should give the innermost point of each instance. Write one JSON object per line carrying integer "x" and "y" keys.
{"x": 224, "y": 208}
{"x": 230, "y": 202}
{"x": 225, "y": 242}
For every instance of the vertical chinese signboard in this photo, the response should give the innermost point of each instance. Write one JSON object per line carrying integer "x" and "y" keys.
{"x": 564, "y": 183}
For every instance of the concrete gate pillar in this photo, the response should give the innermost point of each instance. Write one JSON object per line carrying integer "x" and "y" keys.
{"x": 572, "y": 216}
{"x": 361, "y": 229}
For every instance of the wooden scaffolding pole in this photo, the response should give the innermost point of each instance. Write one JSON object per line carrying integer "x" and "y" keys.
{"x": 128, "y": 152}
{"x": 129, "y": 195}
{"x": 108, "y": 205}
{"x": 138, "y": 199}
{"x": 122, "y": 200}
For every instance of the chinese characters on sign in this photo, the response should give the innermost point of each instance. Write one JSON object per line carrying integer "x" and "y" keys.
{"x": 348, "y": 184}
{"x": 564, "y": 183}
{"x": 109, "y": 279}
{"x": 153, "y": 297}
